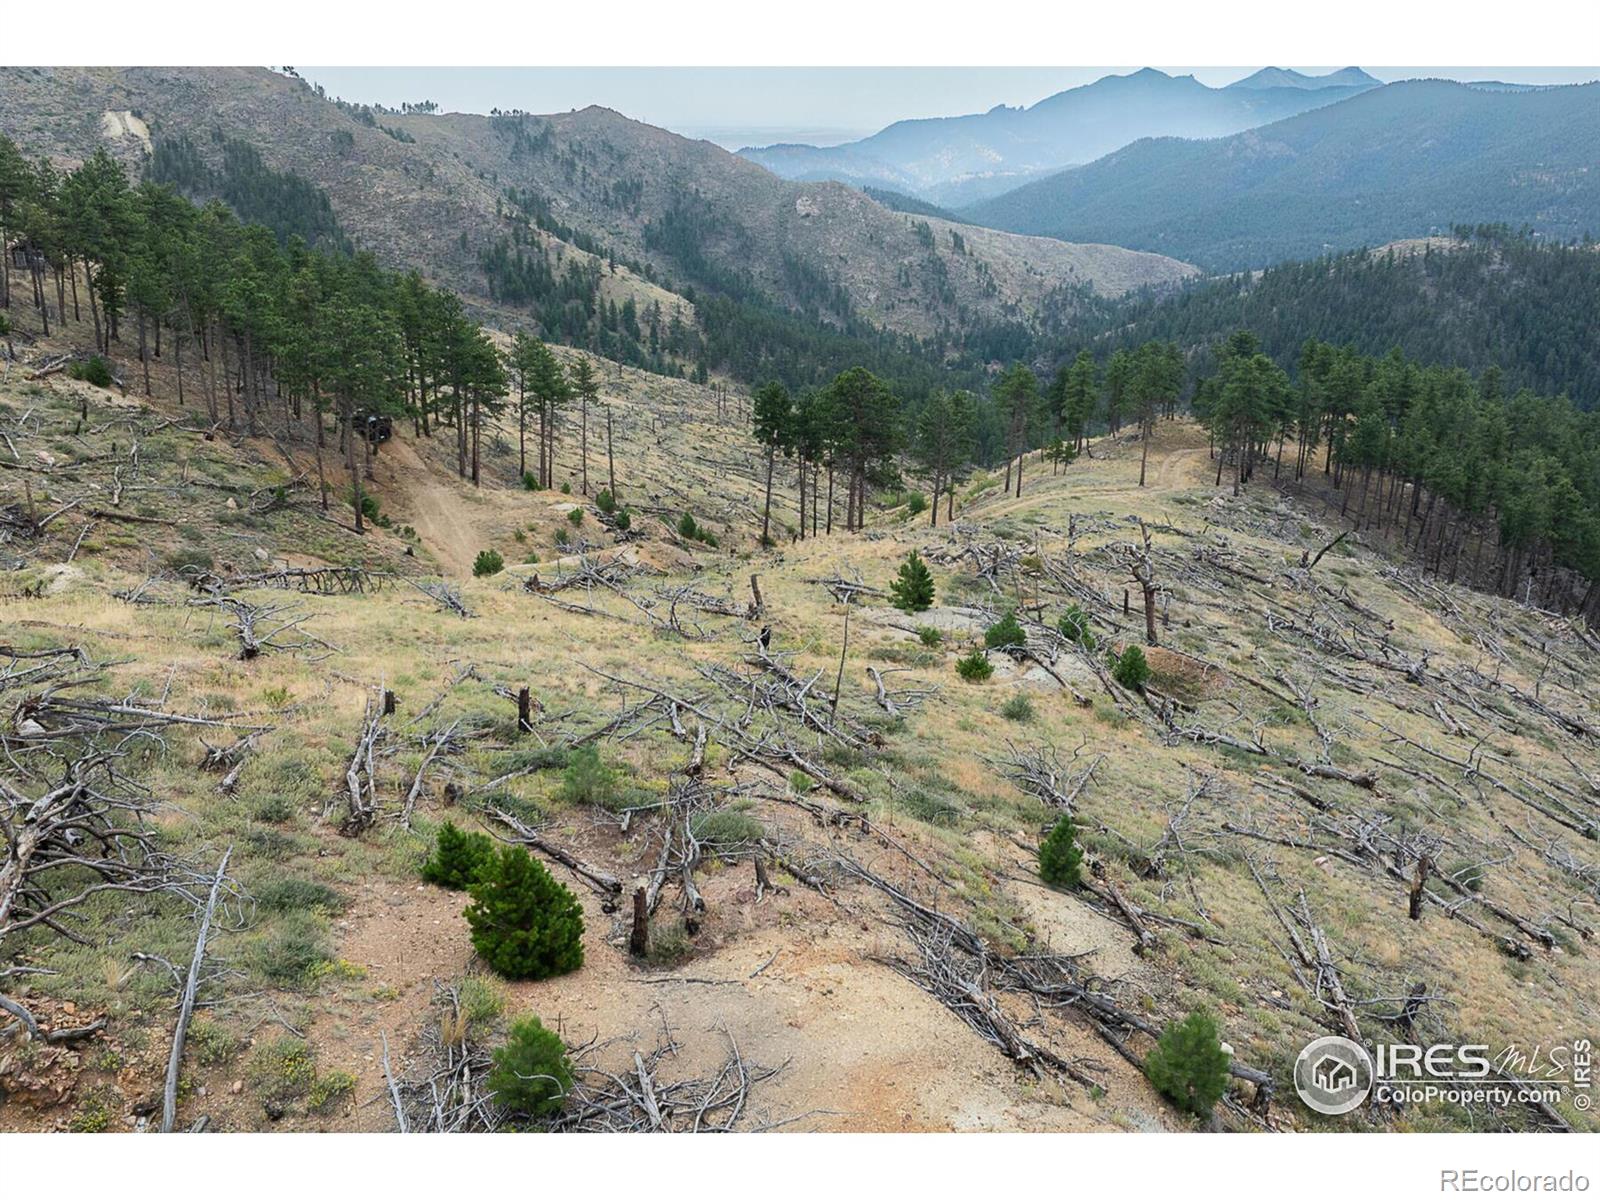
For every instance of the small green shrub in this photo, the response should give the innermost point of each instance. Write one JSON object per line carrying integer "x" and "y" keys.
{"x": 929, "y": 806}
{"x": 690, "y": 529}
{"x": 1005, "y": 632}
{"x": 727, "y": 828}
{"x": 587, "y": 779}
{"x": 482, "y": 1001}
{"x": 531, "y": 1075}
{"x": 1018, "y": 708}
{"x": 1131, "y": 670}
{"x": 282, "y": 1070}
{"x": 530, "y": 482}
{"x": 524, "y": 923}
{"x": 94, "y": 1115}
{"x": 298, "y": 895}
{"x": 606, "y": 502}
{"x": 800, "y": 782}
{"x": 929, "y": 636}
{"x": 291, "y": 955}
{"x": 670, "y": 943}
{"x": 488, "y": 562}
{"x": 212, "y": 1043}
{"x": 916, "y": 504}
{"x": 974, "y": 666}
{"x": 1188, "y": 1065}
{"x": 94, "y": 371}
{"x": 329, "y": 1089}
{"x": 912, "y": 590}
{"x": 459, "y": 858}
{"x": 1074, "y": 626}
{"x": 566, "y": 489}
{"x": 1060, "y": 860}
{"x": 275, "y": 810}
{"x": 624, "y": 519}
{"x": 575, "y": 517}
{"x": 188, "y": 560}
{"x": 1468, "y": 874}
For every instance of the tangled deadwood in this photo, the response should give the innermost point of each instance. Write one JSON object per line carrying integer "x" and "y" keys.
{"x": 75, "y": 823}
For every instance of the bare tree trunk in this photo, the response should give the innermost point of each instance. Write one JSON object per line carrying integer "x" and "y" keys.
{"x": 611, "y": 464}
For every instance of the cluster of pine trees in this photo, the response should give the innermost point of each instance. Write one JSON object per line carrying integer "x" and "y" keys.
{"x": 858, "y": 427}
{"x": 1493, "y": 297}
{"x": 1494, "y": 488}
{"x": 281, "y": 335}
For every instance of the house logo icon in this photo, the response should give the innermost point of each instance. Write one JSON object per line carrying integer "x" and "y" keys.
{"x": 1333, "y": 1075}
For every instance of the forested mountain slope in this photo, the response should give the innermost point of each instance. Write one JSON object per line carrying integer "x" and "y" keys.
{"x": 1401, "y": 161}
{"x": 560, "y": 217}
{"x": 1487, "y": 299}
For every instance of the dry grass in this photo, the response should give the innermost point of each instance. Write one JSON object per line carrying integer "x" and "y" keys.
{"x": 930, "y": 786}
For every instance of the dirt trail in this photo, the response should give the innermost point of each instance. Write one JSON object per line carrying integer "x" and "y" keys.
{"x": 439, "y": 509}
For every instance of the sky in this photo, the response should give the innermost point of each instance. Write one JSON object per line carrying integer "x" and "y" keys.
{"x": 738, "y": 106}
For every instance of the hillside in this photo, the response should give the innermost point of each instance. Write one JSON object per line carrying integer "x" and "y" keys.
{"x": 1401, "y": 161}
{"x": 1498, "y": 301}
{"x": 576, "y": 211}
{"x": 961, "y": 160}
{"x": 847, "y": 921}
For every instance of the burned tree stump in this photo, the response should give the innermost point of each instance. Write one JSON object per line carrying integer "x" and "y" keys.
{"x": 1417, "y": 882}
{"x": 639, "y": 939}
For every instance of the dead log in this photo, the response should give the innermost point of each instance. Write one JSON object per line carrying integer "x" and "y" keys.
{"x": 602, "y": 882}
{"x": 191, "y": 987}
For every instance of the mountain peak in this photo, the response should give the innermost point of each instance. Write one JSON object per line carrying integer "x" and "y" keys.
{"x": 1286, "y": 77}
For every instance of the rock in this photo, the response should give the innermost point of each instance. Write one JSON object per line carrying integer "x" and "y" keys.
{"x": 236, "y": 1086}
{"x": 262, "y": 555}
{"x": 233, "y": 504}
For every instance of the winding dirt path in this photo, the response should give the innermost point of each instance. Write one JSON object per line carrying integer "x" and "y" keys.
{"x": 437, "y": 508}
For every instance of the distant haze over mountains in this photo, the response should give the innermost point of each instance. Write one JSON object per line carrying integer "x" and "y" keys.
{"x": 959, "y": 160}
{"x": 1400, "y": 161}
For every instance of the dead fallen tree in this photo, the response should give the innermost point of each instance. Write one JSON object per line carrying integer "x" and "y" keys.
{"x": 643, "y": 1098}
{"x": 75, "y": 824}
{"x": 361, "y": 775}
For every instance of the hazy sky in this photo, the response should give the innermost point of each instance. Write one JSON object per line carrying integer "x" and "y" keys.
{"x": 735, "y": 105}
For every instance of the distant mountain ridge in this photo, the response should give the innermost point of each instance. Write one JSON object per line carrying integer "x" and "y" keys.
{"x": 553, "y": 215}
{"x": 952, "y": 161}
{"x": 1403, "y": 160}
{"x": 1276, "y": 77}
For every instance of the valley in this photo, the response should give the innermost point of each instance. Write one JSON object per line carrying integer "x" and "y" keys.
{"x": 520, "y": 622}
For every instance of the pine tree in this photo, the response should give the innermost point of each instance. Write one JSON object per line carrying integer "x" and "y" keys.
{"x": 1005, "y": 632}
{"x": 942, "y": 445}
{"x": 525, "y": 924}
{"x": 459, "y": 857}
{"x": 912, "y": 590}
{"x": 1017, "y": 394}
{"x": 1189, "y": 1065}
{"x": 1079, "y": 392}
{"x": 1060, "y": 860}
{"x": 772, "y": 417}
{"x": 532, "y": 1074}
{"x": 1131, "y": 669}
{"x": 586, "y": 386}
